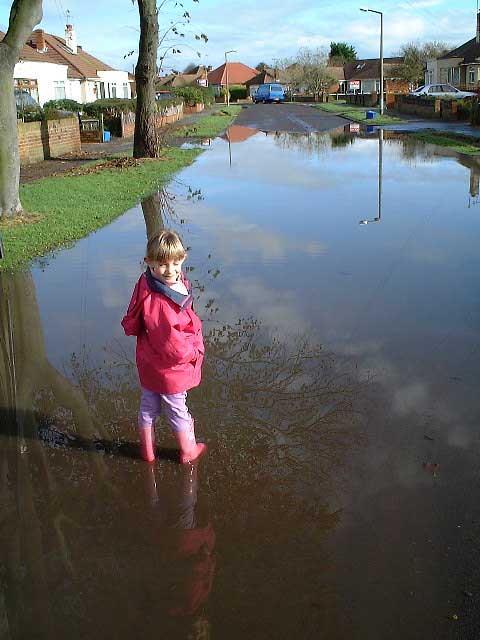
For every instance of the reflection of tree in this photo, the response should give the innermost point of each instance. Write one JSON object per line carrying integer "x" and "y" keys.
{"x": 317, "y": 144}
{"x": 30, "y": 389}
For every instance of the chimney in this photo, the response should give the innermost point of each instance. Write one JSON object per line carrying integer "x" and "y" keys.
{"x": 478, "y": 26}
{"x": 38, "y": 39}
{"x": 71, "y": 38}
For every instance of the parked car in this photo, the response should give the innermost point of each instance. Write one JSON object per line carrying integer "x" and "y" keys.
{"x": 24, "y": 99}
{"x": 443, "y": 89}
{"x": 163, "y": 95}
{"x": 270, "y": 92}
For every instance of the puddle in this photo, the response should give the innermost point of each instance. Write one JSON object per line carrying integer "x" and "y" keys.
{"x": 337, "y": 279}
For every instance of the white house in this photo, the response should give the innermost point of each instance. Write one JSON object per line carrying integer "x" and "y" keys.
{"x": 51, "y": 68}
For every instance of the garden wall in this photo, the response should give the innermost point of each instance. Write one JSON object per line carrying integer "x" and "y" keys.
{"x": 170, "y": 114}
{"x": 39, "y": 141}
{"x": 427, "y": 107}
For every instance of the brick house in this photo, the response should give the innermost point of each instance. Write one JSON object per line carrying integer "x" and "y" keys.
{"x": 235, "y": 72}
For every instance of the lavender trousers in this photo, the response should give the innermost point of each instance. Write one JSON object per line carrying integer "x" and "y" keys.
{"x": 175, "y": 408}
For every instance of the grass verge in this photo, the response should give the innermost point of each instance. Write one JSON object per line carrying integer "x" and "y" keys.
{"x": 356, "y": 113}
{"x": 209, "y": 126}
{"x": 459, "y": 143}
{"x": 69, "y": 207}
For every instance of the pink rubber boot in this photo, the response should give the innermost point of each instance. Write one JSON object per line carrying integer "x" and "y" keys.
{"x": 190, "y": 450}
{"x": 147, "y": 438}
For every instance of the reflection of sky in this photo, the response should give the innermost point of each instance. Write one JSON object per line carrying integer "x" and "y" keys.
{"x": 286, "y": 219}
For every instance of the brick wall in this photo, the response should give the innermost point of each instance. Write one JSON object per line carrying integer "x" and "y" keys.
{"x": 171, "y": 114}
{"x": 427, "y": 107}
{"x": 39, "y": 141}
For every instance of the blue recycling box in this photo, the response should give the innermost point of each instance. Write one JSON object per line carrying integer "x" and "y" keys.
{"x": 371, "y": 114}
{"x": 106, "y": 136}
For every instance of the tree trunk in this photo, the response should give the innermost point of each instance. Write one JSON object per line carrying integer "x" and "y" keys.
{"x": 24, "y": 15}
{"x": 145, "y": 138}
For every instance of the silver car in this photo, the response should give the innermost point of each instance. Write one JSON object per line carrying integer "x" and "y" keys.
{"x": 442, "y": 89}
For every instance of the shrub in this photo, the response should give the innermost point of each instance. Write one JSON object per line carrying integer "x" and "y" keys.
{"x": 37, "y": 114}
{"x": 237, "y": 92}
{"x": 65, "y": 103}
{"x": 465, "y": 109}
{"x": 110, "y": 106}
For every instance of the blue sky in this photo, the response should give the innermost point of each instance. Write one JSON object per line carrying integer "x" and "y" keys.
{"x": 262, "y": 31}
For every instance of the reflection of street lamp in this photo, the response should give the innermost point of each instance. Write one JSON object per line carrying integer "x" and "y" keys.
{"x": 380, "y": 177}
{"x": 381, "y": 55}
{"x": 226, "y": 73}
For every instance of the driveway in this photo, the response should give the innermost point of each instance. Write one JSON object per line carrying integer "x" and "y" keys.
{"x": 291, "y": 117}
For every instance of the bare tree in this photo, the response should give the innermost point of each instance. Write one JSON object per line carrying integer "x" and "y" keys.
{"x": 415, "y": 58}
{"x": 24, "y": 15}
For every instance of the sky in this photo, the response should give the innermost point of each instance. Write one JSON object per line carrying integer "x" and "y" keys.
{"x": 259, "y": 32}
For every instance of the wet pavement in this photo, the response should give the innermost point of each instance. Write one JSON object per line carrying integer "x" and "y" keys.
{"x": 291, "y": 117}
{"x": 339, "y": 497}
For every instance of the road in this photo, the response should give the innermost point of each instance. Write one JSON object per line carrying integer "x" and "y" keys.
{"x": 291, "y": 117}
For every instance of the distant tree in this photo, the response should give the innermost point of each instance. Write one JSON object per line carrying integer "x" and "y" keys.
{"x": 415, "y": 57}
{"x": 261, "y": 66}
{"x": 341, "y": 52}
{"x": 308, "y": 70}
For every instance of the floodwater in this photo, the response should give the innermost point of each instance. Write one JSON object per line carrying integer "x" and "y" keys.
{"x": 337, "y": 278}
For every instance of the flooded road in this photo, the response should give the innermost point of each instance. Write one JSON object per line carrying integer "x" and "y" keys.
{"x": 337, "y": 279}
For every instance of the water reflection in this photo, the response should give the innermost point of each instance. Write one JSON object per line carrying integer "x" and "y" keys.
{"x": 330, "y": 355}
{"x": 378, "y": 217}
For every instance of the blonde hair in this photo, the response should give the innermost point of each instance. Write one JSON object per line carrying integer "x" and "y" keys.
{"x": 164, "y": 246}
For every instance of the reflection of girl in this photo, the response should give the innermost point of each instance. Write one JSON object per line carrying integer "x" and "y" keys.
{"x": 169, "y": 345}
{"x": 189, "y": 546}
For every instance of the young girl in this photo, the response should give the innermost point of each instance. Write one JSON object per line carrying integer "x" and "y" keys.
{"x": 169, "y": 345}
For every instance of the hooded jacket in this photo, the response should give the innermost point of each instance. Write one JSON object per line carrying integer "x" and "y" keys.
{"x": 170, "y": 345}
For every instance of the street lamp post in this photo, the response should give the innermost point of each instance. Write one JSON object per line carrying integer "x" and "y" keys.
{"x": 380, "y": 13}
{"x": 226, "y": 73}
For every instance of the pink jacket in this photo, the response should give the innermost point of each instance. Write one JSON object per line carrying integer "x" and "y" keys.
{"x": 170, "y": 345}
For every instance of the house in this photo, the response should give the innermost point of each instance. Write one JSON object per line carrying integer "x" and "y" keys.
{"x": 231, "y": 73}
{"x": 363, "y": 76}
{"x": 460, "y": 66}
{"x": 199, "y": 76}
{"x": 52, "y": 68}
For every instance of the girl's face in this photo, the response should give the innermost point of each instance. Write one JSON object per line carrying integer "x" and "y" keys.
{"x": 167, "y": 272}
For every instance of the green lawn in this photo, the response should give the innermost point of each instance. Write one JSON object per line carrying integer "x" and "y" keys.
{"x": 211, "y": 125}
{"x": 461, "y": 144}
{"x": 356, "y": 113}
{"x": 67, "y": 208}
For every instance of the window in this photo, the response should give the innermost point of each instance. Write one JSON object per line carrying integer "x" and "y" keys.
{"x": 113, "y": 90}
{"x": 471, "y": 75}
{"x": 454, "y": 75}
{"x": 27, "y": 86}
{"x": 59, "y": 89}
{"x": 125, "y": 89}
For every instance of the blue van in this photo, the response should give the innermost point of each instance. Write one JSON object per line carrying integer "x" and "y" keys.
{"x": 270, "y": 92}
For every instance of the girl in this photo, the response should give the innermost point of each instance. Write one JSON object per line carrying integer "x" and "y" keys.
{"x": 169, "y": 345}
